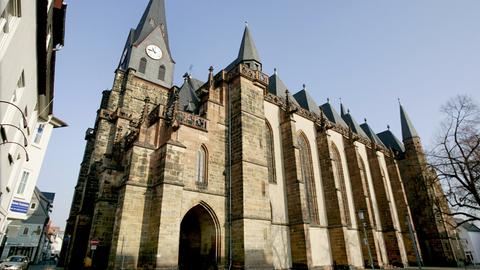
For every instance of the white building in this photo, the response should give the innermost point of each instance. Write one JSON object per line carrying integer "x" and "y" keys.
{"x": 30, "y": 34}
{"x": 30, "y": 237}
{"x": 469, "y": 234}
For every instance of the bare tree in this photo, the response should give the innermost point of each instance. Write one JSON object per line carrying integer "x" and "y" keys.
{"x": 456, "y": 157}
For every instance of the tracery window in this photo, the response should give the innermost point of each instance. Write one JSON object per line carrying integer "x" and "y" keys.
{"x": 339, "y": 176}
{"x": 270, "y": 154}
{"x": 308, "y": 178}
{"x": 143, "y": 65}
{"x": 366, "y": 189}
{"x": 202, "y": 166}
{"x": 363, "y": 176}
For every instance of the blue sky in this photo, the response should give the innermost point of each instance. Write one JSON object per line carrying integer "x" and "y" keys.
{"x": 369, "y": 53}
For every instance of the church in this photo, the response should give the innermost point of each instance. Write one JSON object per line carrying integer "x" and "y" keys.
{"x": 239, "y": 173}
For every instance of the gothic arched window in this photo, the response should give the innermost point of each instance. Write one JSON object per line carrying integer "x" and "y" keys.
{"x": 143, "y": 65}
{"x": 161, "y": 73}
{"x": 202, "y": 165}
{"x": 308, "y": 178}
{"x": 270, "y": 154}
{"x": 363, "y": 176}
{"x": 365, "y": 186}
{"x": 338, "y": 171}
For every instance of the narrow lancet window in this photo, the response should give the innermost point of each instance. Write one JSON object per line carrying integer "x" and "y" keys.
{"x": 338, "y": 171}
{"x": 143, "y": 65}
{"x": 202, "y": 159}
{"x": 270, "y": 154}
{"x": 161, "y": 73}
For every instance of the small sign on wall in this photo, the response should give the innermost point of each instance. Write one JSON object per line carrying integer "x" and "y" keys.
{"x": 19, "y": 207}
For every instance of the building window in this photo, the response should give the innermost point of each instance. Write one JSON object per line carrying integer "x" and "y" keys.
{"x": 23, "y": 182}
{"x": 12, "y": 9}
{"x": 308, "y": 178}
{"x": 39, "y": 134}
{"x": 363, "y": 176}
{"x": 270, "y": 154}
{"x": 18, "y": 91}
{"x": 25, "y": 231}
{"x": 143, "y": 65}
{"x": 161, "y": 73}
{"x": 21, "y": 81}
{"x": 33, "y": 205}
{"x": 202, "y": 163}
{"x": 339, "y": 176}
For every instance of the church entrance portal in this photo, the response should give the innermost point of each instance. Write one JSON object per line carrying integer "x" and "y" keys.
{"x": 198, "y": 240}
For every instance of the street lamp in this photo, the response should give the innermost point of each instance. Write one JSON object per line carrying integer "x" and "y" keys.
{"x": 24, "y": 118}
{"x": 361, "y": 217}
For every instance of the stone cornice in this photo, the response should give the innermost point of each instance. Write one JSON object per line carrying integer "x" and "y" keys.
{"x": 253, "y": 75}
{"x": 322, "y": 123}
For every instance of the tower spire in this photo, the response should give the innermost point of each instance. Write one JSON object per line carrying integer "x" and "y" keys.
{"x": 153, "y": 17}
{"x": 248, "y": 53}
{"x": 147, "y": 49}
{"x": 408, "y": 131}
{"x": 248, "y": 50}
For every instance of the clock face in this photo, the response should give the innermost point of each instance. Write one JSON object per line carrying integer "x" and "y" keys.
{"x": 154, "y": 52}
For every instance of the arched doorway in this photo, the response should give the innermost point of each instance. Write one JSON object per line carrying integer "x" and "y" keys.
{"x": 198, "y": 240}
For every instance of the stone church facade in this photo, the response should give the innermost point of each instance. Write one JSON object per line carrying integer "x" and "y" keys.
{"x": 237, "y": 172}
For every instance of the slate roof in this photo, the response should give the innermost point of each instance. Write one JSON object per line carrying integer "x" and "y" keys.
{"x": 49, "y": 196}
{"x": 153, "y": 16}
{"x": 248, "y": 50}
{"x": 408, "y": 131}
{"x": 124, "y": 58}
{"x": 371, "y": 134}
{"x": 390, "y": 141}
{"x": 187, "y": 97}
{"x": 332, "y": 115}
{"x": 306, "y": 101}
{"x": 278, "y": 88}
{"x": 354, "y": 126}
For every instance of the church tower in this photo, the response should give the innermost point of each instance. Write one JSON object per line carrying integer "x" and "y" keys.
{"x": 434, "y": 228}
{"x": 105, "y": 190}
{"x": 147, "y": 49}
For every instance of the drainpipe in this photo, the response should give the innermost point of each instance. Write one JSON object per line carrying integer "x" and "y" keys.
{"x": 230, "y": 254}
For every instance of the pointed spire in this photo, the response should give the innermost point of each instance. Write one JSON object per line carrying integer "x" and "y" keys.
{"x": 210, "y": 78}
{"x": 390, "y": 141}
{"x": 188, "y": 98}
{"x": 248, "y": 50}
{"x": 306, "y": 101}
{"x": 352, "y": 124}
{"x": 332, "y": 115}
{"x": 153, "y": 16}
{"x": 371, "y": 134}
{"x": 278, "y": 88}
{"x": 408, "y": 131}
